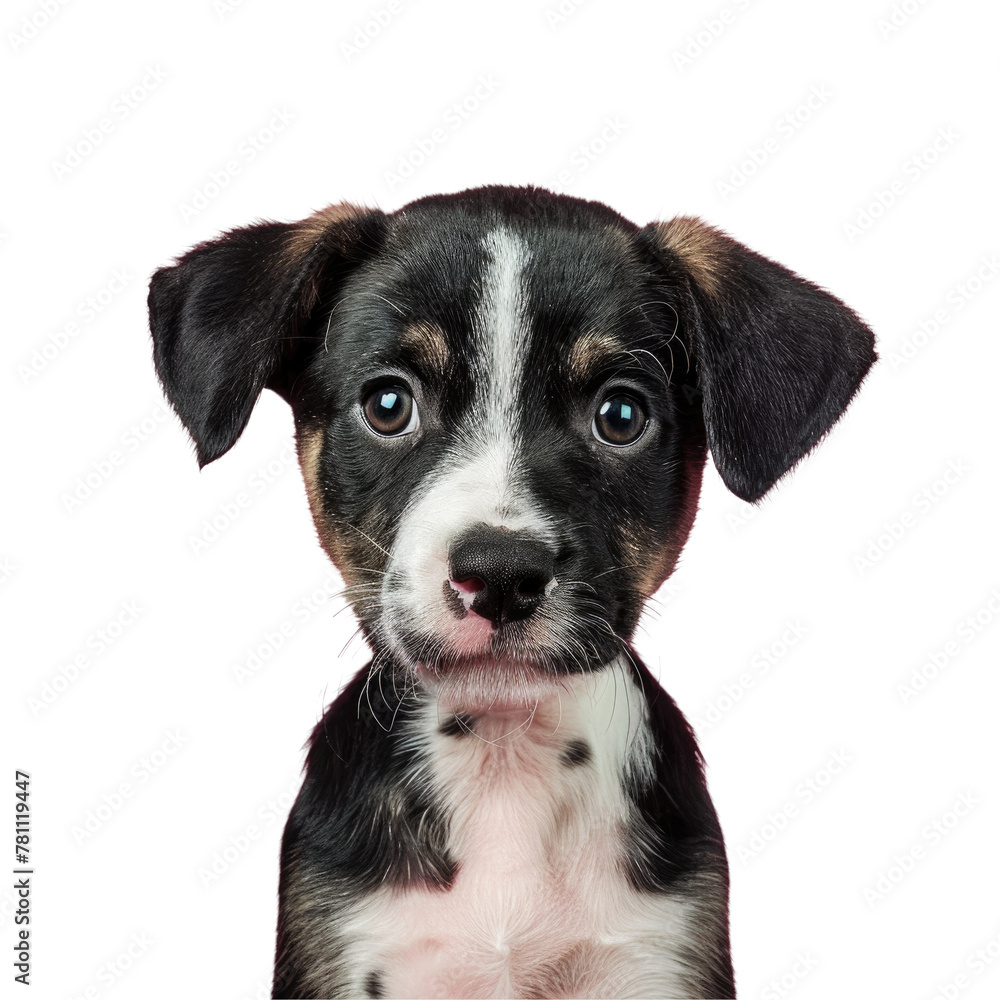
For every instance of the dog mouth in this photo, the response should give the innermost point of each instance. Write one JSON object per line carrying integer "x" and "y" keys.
{"x": 515, "y": 650}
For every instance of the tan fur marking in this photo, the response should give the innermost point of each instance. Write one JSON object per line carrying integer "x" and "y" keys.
{"x": 701, "y": 248}
{"x": 309, "y": 442}
{"x": 428, "y": 343}
{"x": 350, "y": 553}
{"x": 310, "y": 231}
{"x": 589, "y": 353}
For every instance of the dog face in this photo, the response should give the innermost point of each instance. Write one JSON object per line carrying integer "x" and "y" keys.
{"x": 509, "y": 418}
{"x": 502, "y": 401}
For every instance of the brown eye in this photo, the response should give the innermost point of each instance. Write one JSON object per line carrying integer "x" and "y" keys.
{"x": 390, "y": 410}
{"x": 620, "y": 420}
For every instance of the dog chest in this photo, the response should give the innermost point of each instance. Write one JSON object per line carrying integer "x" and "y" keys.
{"x": 540, "y": 904}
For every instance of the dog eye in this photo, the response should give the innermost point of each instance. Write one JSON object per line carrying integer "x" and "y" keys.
{"x": 390, "y": 410}
{"x": 620, "y": 420}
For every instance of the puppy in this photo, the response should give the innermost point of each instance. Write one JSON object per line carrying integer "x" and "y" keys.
{"x": 503, "y": 402}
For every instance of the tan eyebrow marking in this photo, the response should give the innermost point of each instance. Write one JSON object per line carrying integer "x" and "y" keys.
{"x": 429, "y": 345}
{"x": 590, "y": 353}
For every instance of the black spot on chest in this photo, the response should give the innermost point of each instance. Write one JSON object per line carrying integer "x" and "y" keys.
{"x": 457, "y": 725}
{"x": 576, "y": 753}
{"x": 373, "y": 986}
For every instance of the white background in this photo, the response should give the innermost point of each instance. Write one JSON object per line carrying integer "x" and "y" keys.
{"x": 857, "y": 893}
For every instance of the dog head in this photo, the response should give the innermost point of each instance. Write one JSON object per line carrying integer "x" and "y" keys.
{"x": 503, "y": 401}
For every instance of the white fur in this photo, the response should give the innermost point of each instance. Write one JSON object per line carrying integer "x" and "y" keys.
{"x": 503, "y": 325}
{"x": 540, "y": 901}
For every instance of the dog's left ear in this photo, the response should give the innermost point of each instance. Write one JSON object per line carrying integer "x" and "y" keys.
{"x": 776, "y": 359}
{"x": 231, "y": 316}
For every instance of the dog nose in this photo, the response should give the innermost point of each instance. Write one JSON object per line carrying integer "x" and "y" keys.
{"x": 506, "y": 573}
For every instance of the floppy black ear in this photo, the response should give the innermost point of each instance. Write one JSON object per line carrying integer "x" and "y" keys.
{"x": 229, "y": 318}
{"x": 777, "y": 359}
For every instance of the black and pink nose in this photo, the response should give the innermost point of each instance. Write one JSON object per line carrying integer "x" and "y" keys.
{"x": 499, "y": 574}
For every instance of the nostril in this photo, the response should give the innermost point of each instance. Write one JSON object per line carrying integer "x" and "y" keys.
{"x": 470, "y": 585}
{"x": 533, "y": 586}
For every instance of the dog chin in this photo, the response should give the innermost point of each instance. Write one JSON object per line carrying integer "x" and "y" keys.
{"x": 488, "y": 684}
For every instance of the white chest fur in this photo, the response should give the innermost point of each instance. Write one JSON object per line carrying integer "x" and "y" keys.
{"x": 540, "y": 905}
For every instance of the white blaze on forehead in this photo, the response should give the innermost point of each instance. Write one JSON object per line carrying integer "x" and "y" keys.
{"x": 503, "y": 329}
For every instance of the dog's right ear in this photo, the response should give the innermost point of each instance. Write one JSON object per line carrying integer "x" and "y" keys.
{"x": 230, "y": 318}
